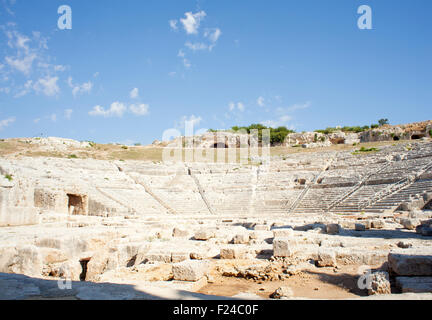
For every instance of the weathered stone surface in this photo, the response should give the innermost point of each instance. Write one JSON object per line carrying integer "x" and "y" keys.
{"x": 241, "y": 239}
{"x": 326, "y": 258}
{"x": 190, "y": 270}
{"x": 233, "y": 253}
{"x": 380, "y": 283}
{"x": 282, "y": 293}
{"x": 179, "y": 233}
{"x": 262, "y": 227}
{"x": 360, "y": 227}
{"x": 333, "y": 228}
{"x": 204, "y": 234}
{"x": 284, "y": 247}
{"x": 424, "y": 230}
{"x": 410, "y": 224}
{"x": 97, "y": 265}
{"x": 179, "y": 256}
{"x": 22, "y": 259}
{"x": 404, "y": 245}
{"x": 411, "y": 262}
{"x": 414, "y": 284}
{"x": 283, "y": 233}
{"x": 377, "y": 224}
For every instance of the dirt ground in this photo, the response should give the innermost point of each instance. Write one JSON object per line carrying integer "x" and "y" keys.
{"x": 325, "y": 283}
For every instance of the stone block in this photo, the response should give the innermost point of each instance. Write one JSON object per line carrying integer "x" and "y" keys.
{"x": 262, "y": 227}
{"x": 284, "y": 247}
{"x": 233, "y": 253}
{"x": 204, "y": 234}
{"x": 414, "y": 284}
{"x": 360, "y": 227}
{"x": 379, "y": 283}
{"x": 179, "y": 233}
{"x": 411, "y": 262}
{"x": 241, "y": 239}
{"x": 333, "y": 228}
{"x": 377, "y": 224}
{"x": 190, "y": 270}
{"x": 410, "y": 224}
{"x": 326, "y": 258}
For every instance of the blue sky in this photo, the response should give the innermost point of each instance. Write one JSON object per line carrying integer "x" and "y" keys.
{"x": 129, "y": 70}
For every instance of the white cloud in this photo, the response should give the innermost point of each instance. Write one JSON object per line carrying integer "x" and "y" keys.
{"x": 191, "y": 120}
{"x": 59, "y": 67}
{"x": 36, "y": 120}
{"x": 26, "y": 54}
{"x": 173, "y": 24}
{"x": 117, "y": 109}
{"x": 186, "y": 63}
{"x": 134, "y": 93}
{"x": 28, "y": 86}
{"x": 53, "y": 117}
{"x": 281, "y": 121}
{"x": 6, "y": 122}
{"x": 48, "y": 86}
{"x": 68, "y": 113}
{"x": 181, "y": 53}
{"x": 23, "y": 65}
{"x": 239, "y": 105}
{"x": 299, "y": 106}
{"x": 86, "y": 87}
{"x": 213, "y": 35}
{"x": 196, "y": 46}
{"x": 5, "y": 90}
{"x": 140, "y": 109}
{"x": 260, "y": 101}
{"x": 27, "y": 50}
{"x": 192, "y": 21}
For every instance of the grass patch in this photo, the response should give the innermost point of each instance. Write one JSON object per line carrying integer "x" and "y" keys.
{"x": 365, "y": 150}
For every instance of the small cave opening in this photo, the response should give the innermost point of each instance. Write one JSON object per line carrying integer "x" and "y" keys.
{"x": 396, "y": 138}
{"x": 76, "y": 204}
{"x": 337, "y": 140}
{"x": 84, "y": 263}
{"x": 416, "y": 137}
{"x": 220, "y": 145}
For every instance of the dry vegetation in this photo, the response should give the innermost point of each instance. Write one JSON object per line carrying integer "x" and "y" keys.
{"x": 23, "y": 147}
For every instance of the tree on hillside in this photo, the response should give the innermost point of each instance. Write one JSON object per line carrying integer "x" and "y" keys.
{"x": 383, "y": 122}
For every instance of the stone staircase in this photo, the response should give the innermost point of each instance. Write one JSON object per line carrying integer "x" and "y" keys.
{"x": 404, "y": 194}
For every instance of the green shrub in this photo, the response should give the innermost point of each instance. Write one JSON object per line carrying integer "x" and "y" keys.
{"x": 430, "y": 132}
{"x": 72, "y": 156}
{"x": 383, "y": 122}
{"x": 9, "y": 177}
{"x": 374, "y": 126}
{"x": 277, "y": 135}
{"x": 363, "y": 149}
{"x": 124, "y": 147}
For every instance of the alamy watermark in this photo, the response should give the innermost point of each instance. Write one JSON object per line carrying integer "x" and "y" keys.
{"x": 65, "y": 20}
{"x": 365, "y": 20}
